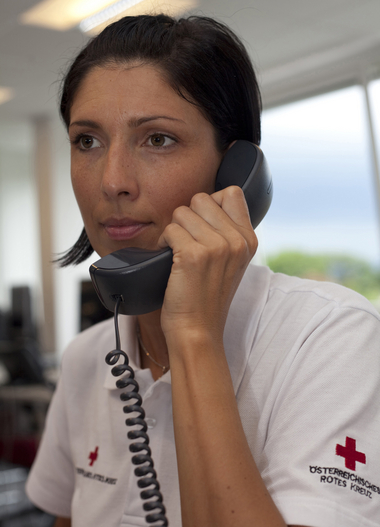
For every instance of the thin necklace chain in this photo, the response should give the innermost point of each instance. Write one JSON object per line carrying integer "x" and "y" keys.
{"x": 164, "y": 368}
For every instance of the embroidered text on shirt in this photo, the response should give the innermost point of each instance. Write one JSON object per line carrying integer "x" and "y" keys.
{"x": 348, "y": 480}
{"x": 96, "y": 477}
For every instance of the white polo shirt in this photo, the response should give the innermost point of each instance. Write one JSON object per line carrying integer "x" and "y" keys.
{"x": 305, "y": 365}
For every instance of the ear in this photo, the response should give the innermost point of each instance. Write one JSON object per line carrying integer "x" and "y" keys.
{"x": 228, "y": 147}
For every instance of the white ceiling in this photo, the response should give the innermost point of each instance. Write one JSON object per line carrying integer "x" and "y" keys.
{"x": 300, "y": 47}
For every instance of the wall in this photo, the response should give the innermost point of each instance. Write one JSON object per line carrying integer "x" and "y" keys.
{"x": 68, "y": 224}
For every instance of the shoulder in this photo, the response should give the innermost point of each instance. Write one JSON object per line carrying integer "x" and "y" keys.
{"x": 307, "y": 327}
{"x": 322, "y": 292}
{"x": 89, "y": 348}
{"x": 312, "y": 304}
{"x": 282, "y": 313}
{"x": 102, "y": 331}
{"x": 289, "y": 294}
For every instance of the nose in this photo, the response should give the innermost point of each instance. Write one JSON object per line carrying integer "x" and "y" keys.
{"x": 119, "y": 177}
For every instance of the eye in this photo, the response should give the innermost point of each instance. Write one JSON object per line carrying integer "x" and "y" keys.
{"x": 87, "y": 142}
{"x": 161, "y": 140}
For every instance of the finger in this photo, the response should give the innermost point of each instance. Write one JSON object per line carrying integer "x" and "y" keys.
{"x": 227, "y": 212}
{"x": 209, "y": 217}
{"x": 232, "y": 201}
{"x": 187, "y": 227}
{"x": 175, "y": 237}
{"x": 226, "y": 238}
{"x": 212, "y": 212}
{"x": 189, "y": 253}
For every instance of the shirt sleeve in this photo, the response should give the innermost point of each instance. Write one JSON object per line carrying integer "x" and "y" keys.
{"x": 51, "y": 481}
{"x": 321, "y": 460}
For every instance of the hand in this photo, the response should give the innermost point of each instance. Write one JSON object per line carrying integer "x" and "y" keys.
{"x": 212, "y": 242}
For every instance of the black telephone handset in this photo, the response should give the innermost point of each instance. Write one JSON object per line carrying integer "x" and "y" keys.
{"x": 133, "y": 281}
{"x": 140, "y": 277}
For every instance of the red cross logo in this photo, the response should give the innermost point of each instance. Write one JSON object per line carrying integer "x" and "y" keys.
{"x": 93, "y": 456}
{"x": 350, "y": 454}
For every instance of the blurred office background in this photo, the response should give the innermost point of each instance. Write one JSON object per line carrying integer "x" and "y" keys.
{"x": 318, "y": 65}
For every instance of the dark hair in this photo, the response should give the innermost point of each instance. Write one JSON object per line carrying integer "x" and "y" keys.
{"x": 202, "y": 59}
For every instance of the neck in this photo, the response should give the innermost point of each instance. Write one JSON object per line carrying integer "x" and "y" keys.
{"x": 154, "y": 341}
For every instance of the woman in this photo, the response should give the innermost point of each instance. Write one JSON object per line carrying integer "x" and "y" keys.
{"x": 252, "y": 420}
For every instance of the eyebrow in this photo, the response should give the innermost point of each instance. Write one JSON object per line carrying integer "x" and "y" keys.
{"x": 137, "y": 122}
{"x": 91, "y": 124}
{"x": 133, "y": 123}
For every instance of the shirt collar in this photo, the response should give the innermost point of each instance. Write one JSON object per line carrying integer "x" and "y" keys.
{"x": 129, "y": 344}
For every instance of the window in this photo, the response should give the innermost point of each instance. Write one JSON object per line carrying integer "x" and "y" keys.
{"x": 324, "y": 204}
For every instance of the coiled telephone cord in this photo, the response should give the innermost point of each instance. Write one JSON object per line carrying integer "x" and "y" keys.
{"x": 143, "y": 455}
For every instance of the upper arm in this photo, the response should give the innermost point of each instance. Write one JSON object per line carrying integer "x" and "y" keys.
{"x": 329, "y": 397}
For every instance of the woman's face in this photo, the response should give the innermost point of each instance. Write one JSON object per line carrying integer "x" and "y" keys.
{"x": 138, "y": 151}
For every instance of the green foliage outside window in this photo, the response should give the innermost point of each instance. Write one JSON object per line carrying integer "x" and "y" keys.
{"x": 351, "y": 272}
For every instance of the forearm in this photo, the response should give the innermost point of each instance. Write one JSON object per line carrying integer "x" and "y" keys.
{"x": 219, "y": 481}
{"x": 62, "y": 522}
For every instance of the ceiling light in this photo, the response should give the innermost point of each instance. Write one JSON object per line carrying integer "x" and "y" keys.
{"x": 62, "y": 14}
{"x": 6, "y": 94}
{"x": 106, "y": 14}
{"x": 142, "y": 7}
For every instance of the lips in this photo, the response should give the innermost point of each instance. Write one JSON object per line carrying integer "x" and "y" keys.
{"x": 123, "y": 229}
